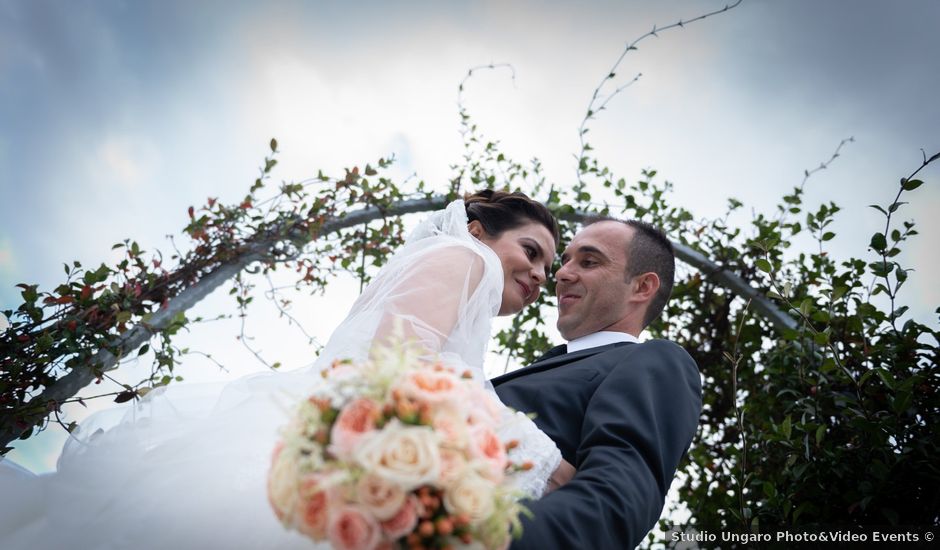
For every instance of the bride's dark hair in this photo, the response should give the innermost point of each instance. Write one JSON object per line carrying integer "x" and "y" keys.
{"x": 499, "y": 211}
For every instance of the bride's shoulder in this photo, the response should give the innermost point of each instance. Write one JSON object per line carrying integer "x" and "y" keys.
{"x": 457, "y": 254}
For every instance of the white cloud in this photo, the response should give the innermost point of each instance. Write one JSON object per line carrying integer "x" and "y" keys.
{"x": 125, "y": 160}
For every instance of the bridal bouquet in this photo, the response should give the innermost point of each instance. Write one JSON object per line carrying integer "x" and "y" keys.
{"x": 396, "y": 452}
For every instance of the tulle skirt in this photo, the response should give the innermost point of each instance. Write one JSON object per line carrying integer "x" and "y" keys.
{"x": 184, "y": 468}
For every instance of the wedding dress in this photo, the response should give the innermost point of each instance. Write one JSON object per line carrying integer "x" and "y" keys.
{"x": 186, "y": 466}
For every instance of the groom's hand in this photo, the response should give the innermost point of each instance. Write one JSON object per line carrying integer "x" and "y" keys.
{"x": 562, "y": 474}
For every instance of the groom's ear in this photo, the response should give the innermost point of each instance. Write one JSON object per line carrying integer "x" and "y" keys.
{"x": 476, "y": 229}
{"x": 645, "y": 286}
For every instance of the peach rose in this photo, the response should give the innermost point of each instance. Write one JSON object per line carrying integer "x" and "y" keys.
{"x": 282, "y": 484}
{"x": 452, "y": 465}
{"x": 404, "y": 520}
{"x": 353, "y": 529}
{"x": 472, "y": 495}
{"x": 452, "y": 427}
{"x": 406, "y": 455}
{"x": 380, "y": 496}
{"x": 432, "y": 387}
{"x": 486, "y": 446}
{"x": 355, "y": 421}
{"x": 314, "y": 506}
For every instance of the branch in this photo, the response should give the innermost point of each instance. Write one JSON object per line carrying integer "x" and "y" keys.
{"x": 594, "y": 108}
{"x": 106, "y": 360}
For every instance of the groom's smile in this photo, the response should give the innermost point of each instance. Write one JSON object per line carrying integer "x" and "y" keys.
{"x": 566, "y": 299}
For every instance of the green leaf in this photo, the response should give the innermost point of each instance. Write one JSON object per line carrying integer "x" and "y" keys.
{"x": 820, "y": 434}
{"x": 885, "y": 377}
{"x": 881, "y": 269}
{"x": 125, "y": 396}
{"x": 821, "y": 338}
{"x": 45, "y": 342}
{"x": 806, "y": 307}
{"x": 878, "y": 242}
{"x": 763, "y": 265}
{"x": 838, "y": 292}
{"x": 910, "y": 185}
{"x": 827, "y": 236}
{"x": 901, "y": 402}
{"x": 786, "y": 427}
{"x": 273, "y": 145}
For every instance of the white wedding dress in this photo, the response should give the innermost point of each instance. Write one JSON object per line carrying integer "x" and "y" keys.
{"x": 186, "y": 467}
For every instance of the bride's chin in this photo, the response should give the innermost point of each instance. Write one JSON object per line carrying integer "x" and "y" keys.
{"x": 509, "y": 309}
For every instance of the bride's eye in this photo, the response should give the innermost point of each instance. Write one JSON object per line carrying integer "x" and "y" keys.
{"x": 529, "y": 251}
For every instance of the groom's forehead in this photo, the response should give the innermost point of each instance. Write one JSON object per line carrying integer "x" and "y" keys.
{"x": 603, "y": 236}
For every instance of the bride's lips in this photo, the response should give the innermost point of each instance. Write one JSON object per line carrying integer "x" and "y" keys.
{"x": 526, "y": 289}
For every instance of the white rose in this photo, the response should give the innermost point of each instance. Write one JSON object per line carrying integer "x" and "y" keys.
{"x": 406, "y": 455}
{"x": 452, "y": 466}
{"x": 451, "y": 426}
{"x": 380, "y": 496}
{"x": 282, "y": 484}
{"x": 472, "y": 495}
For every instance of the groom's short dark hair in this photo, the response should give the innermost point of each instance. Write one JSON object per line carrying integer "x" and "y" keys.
{"x": 649, "y": 251}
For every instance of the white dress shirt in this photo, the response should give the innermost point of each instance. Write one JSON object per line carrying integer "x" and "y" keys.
{"x": 601, "y": 338}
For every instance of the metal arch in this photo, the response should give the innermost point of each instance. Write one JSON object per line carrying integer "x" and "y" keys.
{"x": 68, "y": 385}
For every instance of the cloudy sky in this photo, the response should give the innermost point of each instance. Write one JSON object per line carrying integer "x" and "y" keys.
{"x": 116, "y": 116}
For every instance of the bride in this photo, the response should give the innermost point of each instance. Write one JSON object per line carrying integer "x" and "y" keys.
{"x": 186, "y": 467}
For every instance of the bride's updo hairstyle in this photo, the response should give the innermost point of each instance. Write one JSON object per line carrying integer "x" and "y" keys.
{"x": 499, "y": 211}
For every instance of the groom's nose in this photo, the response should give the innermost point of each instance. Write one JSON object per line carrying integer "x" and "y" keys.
{"x": 565, "y": 273}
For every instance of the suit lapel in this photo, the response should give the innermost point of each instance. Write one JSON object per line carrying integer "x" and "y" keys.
{"x": 550, "y": 361}
{"x": 554, "y": 352}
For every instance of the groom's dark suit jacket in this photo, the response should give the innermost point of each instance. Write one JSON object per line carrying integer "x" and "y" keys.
{"x": 623, "y": 414}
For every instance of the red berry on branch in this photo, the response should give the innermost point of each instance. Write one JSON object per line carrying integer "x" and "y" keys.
{"x": 426, "y": 529}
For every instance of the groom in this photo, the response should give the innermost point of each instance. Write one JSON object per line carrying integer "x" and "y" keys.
{"x": 622, "y": 412}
